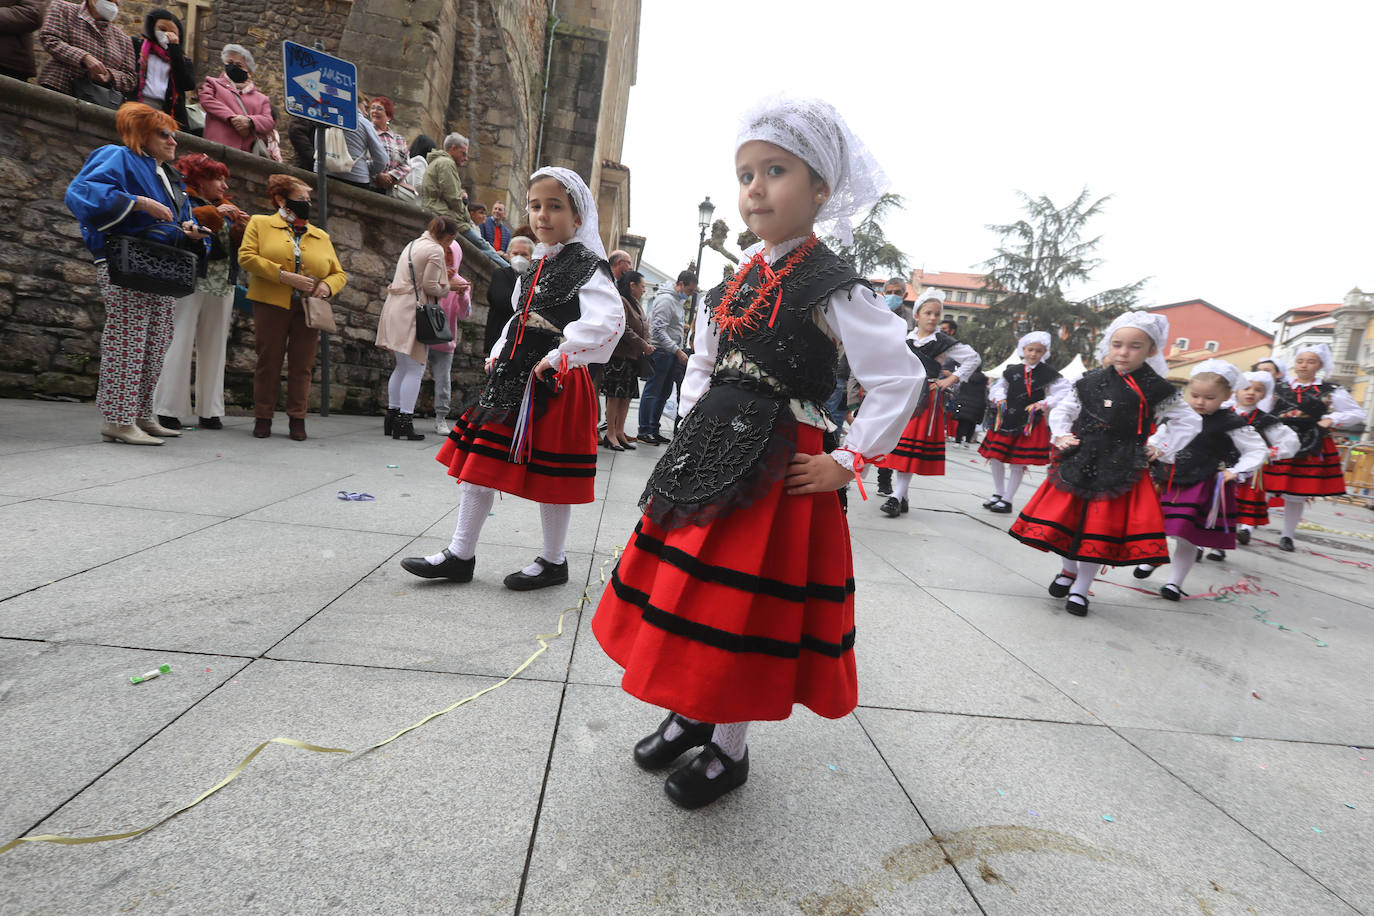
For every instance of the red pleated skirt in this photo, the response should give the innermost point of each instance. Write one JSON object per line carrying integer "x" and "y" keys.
{"x": 1316, "y": 475}
{"x": 1030, "y": 446}
{"x": 921, "y": 450}
{"x": 742, "y": 618}
{"x": 562, "y": 466}
{"x": 1122, "y": 531}
{"x": 1252, "y": 506}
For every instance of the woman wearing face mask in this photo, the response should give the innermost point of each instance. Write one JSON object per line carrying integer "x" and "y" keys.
{"x": 236, "y": 113}
{"x": 83, "y": 42}
{"x": 164, "y": 72}
{"x": 287, "y": 259}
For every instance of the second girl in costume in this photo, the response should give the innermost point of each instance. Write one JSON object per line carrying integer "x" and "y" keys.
{"x": 1253, "y": 401}
{"x": 1020, "y": 436}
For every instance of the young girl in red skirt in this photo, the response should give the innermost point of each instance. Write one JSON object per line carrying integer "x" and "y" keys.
{"x": 532, "y": 432}
{"x": 1199, "y": 495}
{"x": 921, "y": 449}
{"x": 1252, "y": 404}
{"x": 1097, "y": 504}
{"x": 734, "y": 599}
{"x": 1020, "y": 437}
{"x": 1310, "y": 407}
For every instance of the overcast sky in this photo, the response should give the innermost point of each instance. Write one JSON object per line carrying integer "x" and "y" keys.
{"x": 1236, "y": 139}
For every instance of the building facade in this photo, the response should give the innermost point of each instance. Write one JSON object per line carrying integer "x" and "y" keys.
{"x": 1198, "y": 326}
{"x": 1353, "y": 351}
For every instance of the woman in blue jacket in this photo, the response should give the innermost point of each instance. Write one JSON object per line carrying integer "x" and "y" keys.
{"x": 127, "y": 189}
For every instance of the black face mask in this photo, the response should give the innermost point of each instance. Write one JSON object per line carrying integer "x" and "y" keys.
{"x": 235, "y": 73}
{"x": 299, "y": 207}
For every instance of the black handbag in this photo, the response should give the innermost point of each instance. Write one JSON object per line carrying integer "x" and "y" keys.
{"x": 85, "y": 90}
{"x": 644, "y": 368}
{"x": 431, "y": 324}
{"x": 139, "y": 263}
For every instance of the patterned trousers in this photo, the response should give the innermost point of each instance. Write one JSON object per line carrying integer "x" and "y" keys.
{"x": 138, "y": 330}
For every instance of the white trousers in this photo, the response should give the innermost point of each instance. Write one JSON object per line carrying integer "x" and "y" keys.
{"x": 200, "y": 325}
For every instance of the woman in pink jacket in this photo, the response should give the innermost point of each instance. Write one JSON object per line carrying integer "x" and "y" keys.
{"x": 236, "y": 113}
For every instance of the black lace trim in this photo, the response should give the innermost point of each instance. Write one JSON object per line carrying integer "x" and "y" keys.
{"x": 1100, "y": 467}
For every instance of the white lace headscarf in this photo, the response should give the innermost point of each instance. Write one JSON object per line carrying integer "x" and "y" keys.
{"x": 932, "y": 293}
{"x": 1320, "y": 350}
{"x": 1266, "y": 381}
{"x": 588, "y": 233}
{"x": 1040, "y": 337}
{"x": 1278, "y": 361}
{"x": 1153, "y": 324}
{"x": 814, "y": 132}
{"x": 1220, "y": 367}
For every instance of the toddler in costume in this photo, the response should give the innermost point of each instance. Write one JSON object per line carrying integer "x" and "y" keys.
{"x": 1020, "y": 436}
{"x": 921, "y": 449}
{"x": 734, "y": 599}
{"x": 1097, "y": 504}
{"x": 1252, "y": 403}
{"x": 532, "y": 432}
{"x": 1199, "y": 496}
{"x": 1309, "y": 407}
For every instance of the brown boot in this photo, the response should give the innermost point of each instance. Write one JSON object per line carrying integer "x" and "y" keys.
{"x": 262, "y": 428}
{"x": 296, "y": 428}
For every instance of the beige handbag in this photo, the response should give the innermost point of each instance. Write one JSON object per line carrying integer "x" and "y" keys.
{"x": 319, "y": 314}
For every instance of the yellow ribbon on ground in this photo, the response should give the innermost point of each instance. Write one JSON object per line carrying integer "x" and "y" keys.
{"x": 542, "y": 638}
{"x": 1311, "y": 526}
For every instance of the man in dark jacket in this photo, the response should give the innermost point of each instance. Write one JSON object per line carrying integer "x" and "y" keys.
{"x": 970, "y": 406}
{"x": 502, "y": 288}
{"x": 19, "y": 19}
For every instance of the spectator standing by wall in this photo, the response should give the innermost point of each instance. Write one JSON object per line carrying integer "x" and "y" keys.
{"x": 494, "y": 228}
{"x": 619, "y": 382}
{"x": 669, "y": 359}
{"x": 457, "y": 306}
{"x": 369, "y": 157}
{"x": 236, "y": 113}
{"x": 164, "y": 71}
{"x": 127, "y": 189}
{"x": 381, "y": 111}
{"x": 620, "y": 263}
{"x": 19, "y": 19}
{"x": 84, "y": 43}
{"x": 894, "y": 295}
{"x": 418, "y": 163}
{"x": 501, "y": 289}
{"x": 442, "y": 194}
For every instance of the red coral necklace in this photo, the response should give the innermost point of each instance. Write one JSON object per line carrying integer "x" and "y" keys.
{"x": 748, "y": 318}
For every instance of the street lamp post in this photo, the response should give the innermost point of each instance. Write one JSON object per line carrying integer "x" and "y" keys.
{"x": 704, "y": 211}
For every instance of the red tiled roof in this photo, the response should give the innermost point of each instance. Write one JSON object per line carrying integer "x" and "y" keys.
{"x": 949, "y": 279}
{"x": 911, "y": 296}
{"x": 1221, "y": 311}
{"x": 1310, "y": 311}
{"x": 1192, "y": 356}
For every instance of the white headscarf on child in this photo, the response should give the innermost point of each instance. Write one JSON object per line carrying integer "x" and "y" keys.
{"x": 814, "y": 132}
{"x": 1153, "y": 324}
{"x": 1279, "y": 362}
{"x": 1040, "y": 337}
{"x": 581, "y": 196}
{"x": 1220, "y": 367}
{"x": 1320, "y": 350}
{"x": 1264, "y": 379}
{"x": 932, "y": 293}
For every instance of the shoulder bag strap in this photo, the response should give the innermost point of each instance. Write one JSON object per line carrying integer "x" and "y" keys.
{"x": 410, "y": 258}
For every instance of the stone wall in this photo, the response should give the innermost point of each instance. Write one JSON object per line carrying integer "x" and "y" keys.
{"x": 50, "y": 309}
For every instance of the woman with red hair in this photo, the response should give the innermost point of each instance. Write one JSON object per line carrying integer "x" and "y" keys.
{"x": 131, "y": 190}
{"x": 381, "y": 110}
{"x": 200, "y": 321}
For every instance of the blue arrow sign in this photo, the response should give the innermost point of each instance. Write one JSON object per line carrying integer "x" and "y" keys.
{"x": 320, "y": 88}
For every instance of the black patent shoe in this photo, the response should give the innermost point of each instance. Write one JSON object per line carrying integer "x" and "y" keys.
{"x": 905, "y": 507}
{"x": 1001, "y": 507}
{"x": 549, "y": 574}
{"x": 991, "y": 501}
{"x": 1243, "y": 536}
{"x": 1143, "y": 571}
{"x": 654, "y": 752}
{"x": 892, "y": 507}
{"x": 1060, "y": 589}
{"x": 452, "y": 568}
{"x": 1077, "y": 605}
{"x": 689, "y": 787}
{"x": 1286, "y": 545}
{"x": 1170, "y": 591}
{"x": 1216, "y": 554}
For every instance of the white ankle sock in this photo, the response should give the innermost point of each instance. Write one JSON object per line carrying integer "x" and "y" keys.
{"x": 901, "y": 482}
{"x": 476, "y": 503}
{"x": 1185, "y": 555}
{"x": 998, "y": 476}
{"x": 1014, "y": 475}
{"x": 1293, "y": 507}
{"x": 730, "y": 738}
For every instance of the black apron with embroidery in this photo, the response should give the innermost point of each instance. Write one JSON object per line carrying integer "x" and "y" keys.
{"x": 1210, "y": 451}
{"x": 735, "y": 443}
{"x": 1302, "y": 416}
{"x": 1110, "y": 456}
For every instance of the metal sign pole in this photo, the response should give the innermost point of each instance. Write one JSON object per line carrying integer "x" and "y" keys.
{"x": 322, "y": 192}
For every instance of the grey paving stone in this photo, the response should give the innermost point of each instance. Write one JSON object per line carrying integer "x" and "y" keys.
{"x": 76, "y": 467}
{"x": 932, "y": 561}
{"x": 438, "y": 821}
{"x": 70, "y": 713}
{"x": 1314, "y": 803}
{"x": 1023, "y": 806}
{"x": 403, "y": 503}
{"x": 238, "y": 588}
{"x": 47, "y": 540}
{"x": 609, "y": 841}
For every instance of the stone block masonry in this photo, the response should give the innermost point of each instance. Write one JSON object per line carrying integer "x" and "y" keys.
{"x": 51, "y": 314}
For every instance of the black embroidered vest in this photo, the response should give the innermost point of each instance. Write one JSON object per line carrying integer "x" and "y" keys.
{"x": 554, "y": 306}
{"x": 929, "y": 353}
{"x": 1112, "y": 431}
{"x": 1302, "y": 415}
{"x": 736, "y": 441}
{"x": 1014, "y": 415}
{"x": 1260, "y": 420}
{"x": 1210, "y": 451}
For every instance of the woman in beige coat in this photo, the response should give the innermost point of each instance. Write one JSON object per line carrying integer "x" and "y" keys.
{"x": 424, "y": 270}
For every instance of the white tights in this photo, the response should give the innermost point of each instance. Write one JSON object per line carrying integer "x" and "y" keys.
{"x": 1292, "y": 514}
{"x": 1185, "y": 555}
{"x": 1084, "y": 572}
{"x": 475, "y": 506}
{"x": 901, "y": 483}
{"x": 730, "y": 737}
{"x": 404, "y": 385}
{"x": 1006, "y": 479}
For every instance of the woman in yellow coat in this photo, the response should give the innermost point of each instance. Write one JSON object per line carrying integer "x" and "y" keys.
{"x": 423, "y": 272}
{"x": 286, "y": 258}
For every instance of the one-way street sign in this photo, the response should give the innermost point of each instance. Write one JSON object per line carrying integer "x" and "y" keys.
{"x": 318, "y": 87}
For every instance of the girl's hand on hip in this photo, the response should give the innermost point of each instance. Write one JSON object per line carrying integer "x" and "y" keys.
{"x": 807, "y": 474}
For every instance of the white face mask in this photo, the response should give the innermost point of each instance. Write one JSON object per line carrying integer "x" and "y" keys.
{"x": 163, "y": 38}
{"x": 106, "y": 9}
{"x": 520, "y": 263}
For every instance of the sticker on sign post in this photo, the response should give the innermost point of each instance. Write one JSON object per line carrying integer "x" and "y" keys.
{"x": 319, "y": 87}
